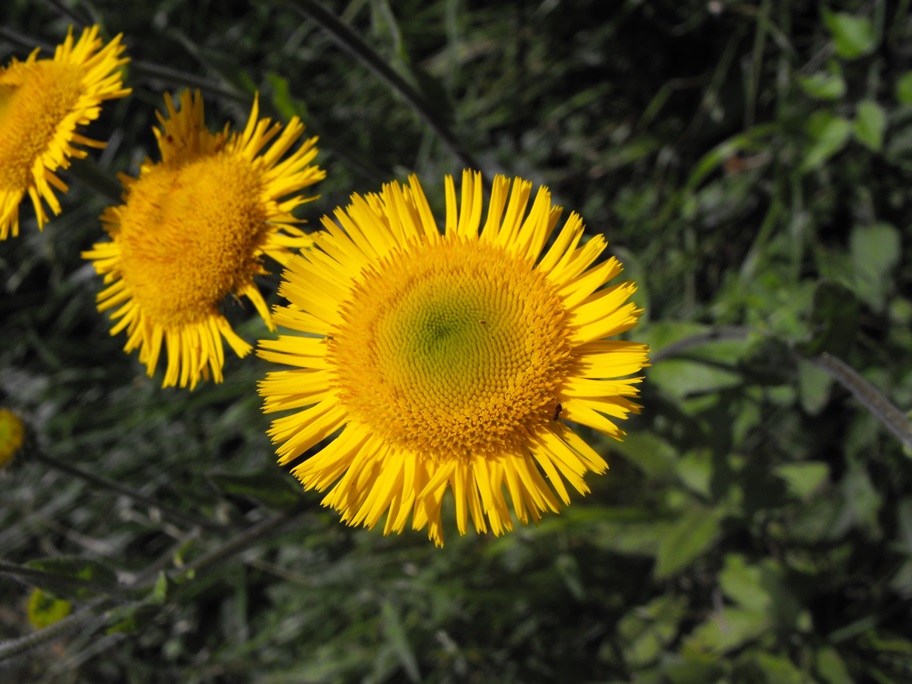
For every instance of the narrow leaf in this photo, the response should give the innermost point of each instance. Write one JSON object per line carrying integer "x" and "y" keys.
{"x": 692, "y": 535}
{"x": 869, "y": 126}
{"x": 853, "y": 37}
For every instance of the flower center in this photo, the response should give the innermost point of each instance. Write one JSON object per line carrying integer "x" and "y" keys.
{"x": 34, "y": 98}
{"x": 188, "y": 235}
{"x": 456, "y": 348}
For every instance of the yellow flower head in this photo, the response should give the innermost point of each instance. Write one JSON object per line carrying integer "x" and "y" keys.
{"x": 193, "y": 229}
{"x": 450, "y": 361}
{"x": 42, "y": 103}
{"x": 11, "y": 435}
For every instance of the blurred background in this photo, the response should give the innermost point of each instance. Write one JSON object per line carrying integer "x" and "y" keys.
{"x": 749, "y": 162}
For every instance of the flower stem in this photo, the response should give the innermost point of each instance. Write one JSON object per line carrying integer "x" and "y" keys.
{"x": 186, "y": 518}
{"x": 14, "y": 647}
{"x": 91, "y": 611}
{"x": 242, "y": 541}
{"x": 157, "y": 72}
{"x": 352, "y": 43}
{"x": 50, "y": 578}
{"x": 892, "y": 418}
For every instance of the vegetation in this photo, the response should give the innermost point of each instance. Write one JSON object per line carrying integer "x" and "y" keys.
{"x": 751, "y": 165}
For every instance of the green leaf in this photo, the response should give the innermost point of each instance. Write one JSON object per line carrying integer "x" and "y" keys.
{"x": 655, "y": 457}
{"x": 779, "y": 669}
{"x": 398, "y": 639}
{"x": 270, "y": 487}
{"x": 831, "y": 668}
{"x": 629, "y": 531}
{"x": 886, "y": 643}
{"x": 742, "y": 583}
{"x": 803, "y": 479}
{"x": 717, "y": 156}
{"x": 646, "y": 630}
{"x": 92, "y": 578}
{"x": 568, "y": 570}
{"x": 901, "y": 581}
{"x": 904, "y": 88}
{"x": 697, "y": 361}
{"x": 695, "y": 469}
{"x": 728, "y": 629}
{"x": 159, "y": 594}
{"x": 853, "y": 37}
{"x": 876, "y": 251}
{"x": 682, "y": 378}
{"x": 283, "y": 100}
{"x": 824, "y": 85}
{"x": 131, "y": 618}
{"x": 689, "y": 537}
{"x": 814, "y": 387}
{"x": 863, "y": 498}
{"x": 829, "y": 134}
{"x": 759, "y": 587}
{"x": 870, "y": 123}
{"x": 822, "y": 519}
{"x": 697, "y": 668}
{"x": 834, "y": 320}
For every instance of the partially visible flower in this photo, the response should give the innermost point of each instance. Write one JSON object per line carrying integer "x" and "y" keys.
{"x": 11, "y": 435}
{"x": 45, "y": 609}
{"x": 193, "y": 229}
{"x": 450, "y": 361}
{"x": 42, "y": 103}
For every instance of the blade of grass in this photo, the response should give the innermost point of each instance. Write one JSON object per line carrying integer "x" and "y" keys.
{"x": 352, "y": 43}
{"x": 98, "y": 611}
{"x": 105, "y": 483}
{"x": 150, "y": 70}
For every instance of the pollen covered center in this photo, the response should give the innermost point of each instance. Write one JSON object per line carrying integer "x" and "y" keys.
{"x": 35, "y": 97}
{"x": 189, "y": 235}
{"x": 456, "y": 348}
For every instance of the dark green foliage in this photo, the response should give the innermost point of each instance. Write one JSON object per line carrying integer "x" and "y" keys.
{"x": 751, "y": 164}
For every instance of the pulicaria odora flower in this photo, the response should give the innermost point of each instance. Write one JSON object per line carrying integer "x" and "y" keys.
{"x": 42, "y": 103}
{"x": 437, "y": 362}
{"x": 12, "y": 433}
{"x": 193, "y": 229}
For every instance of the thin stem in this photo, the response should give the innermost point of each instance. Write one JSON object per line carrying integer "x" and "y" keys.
{"x": 150, "y": 70}
{"x": 241, "y": 541}
{"x": 103, "y": 183}
{"x": 756, "y": 64}
{"x": 186, "y": 518}
{"x": 22, "y": 41}
{"x": 892, "y": 418}
{"x": 352, "y": 43}
{"x": 50, "y": 578}
{"x": 16, "y": 647}
{"x": 73, "y": 15}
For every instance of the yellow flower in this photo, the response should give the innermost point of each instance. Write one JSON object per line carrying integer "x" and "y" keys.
{"x": 42, "y": 103}
{"x": 450, "y": 361}
{"x": 11, "y": 435}
{"x": 193, "y": 229}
